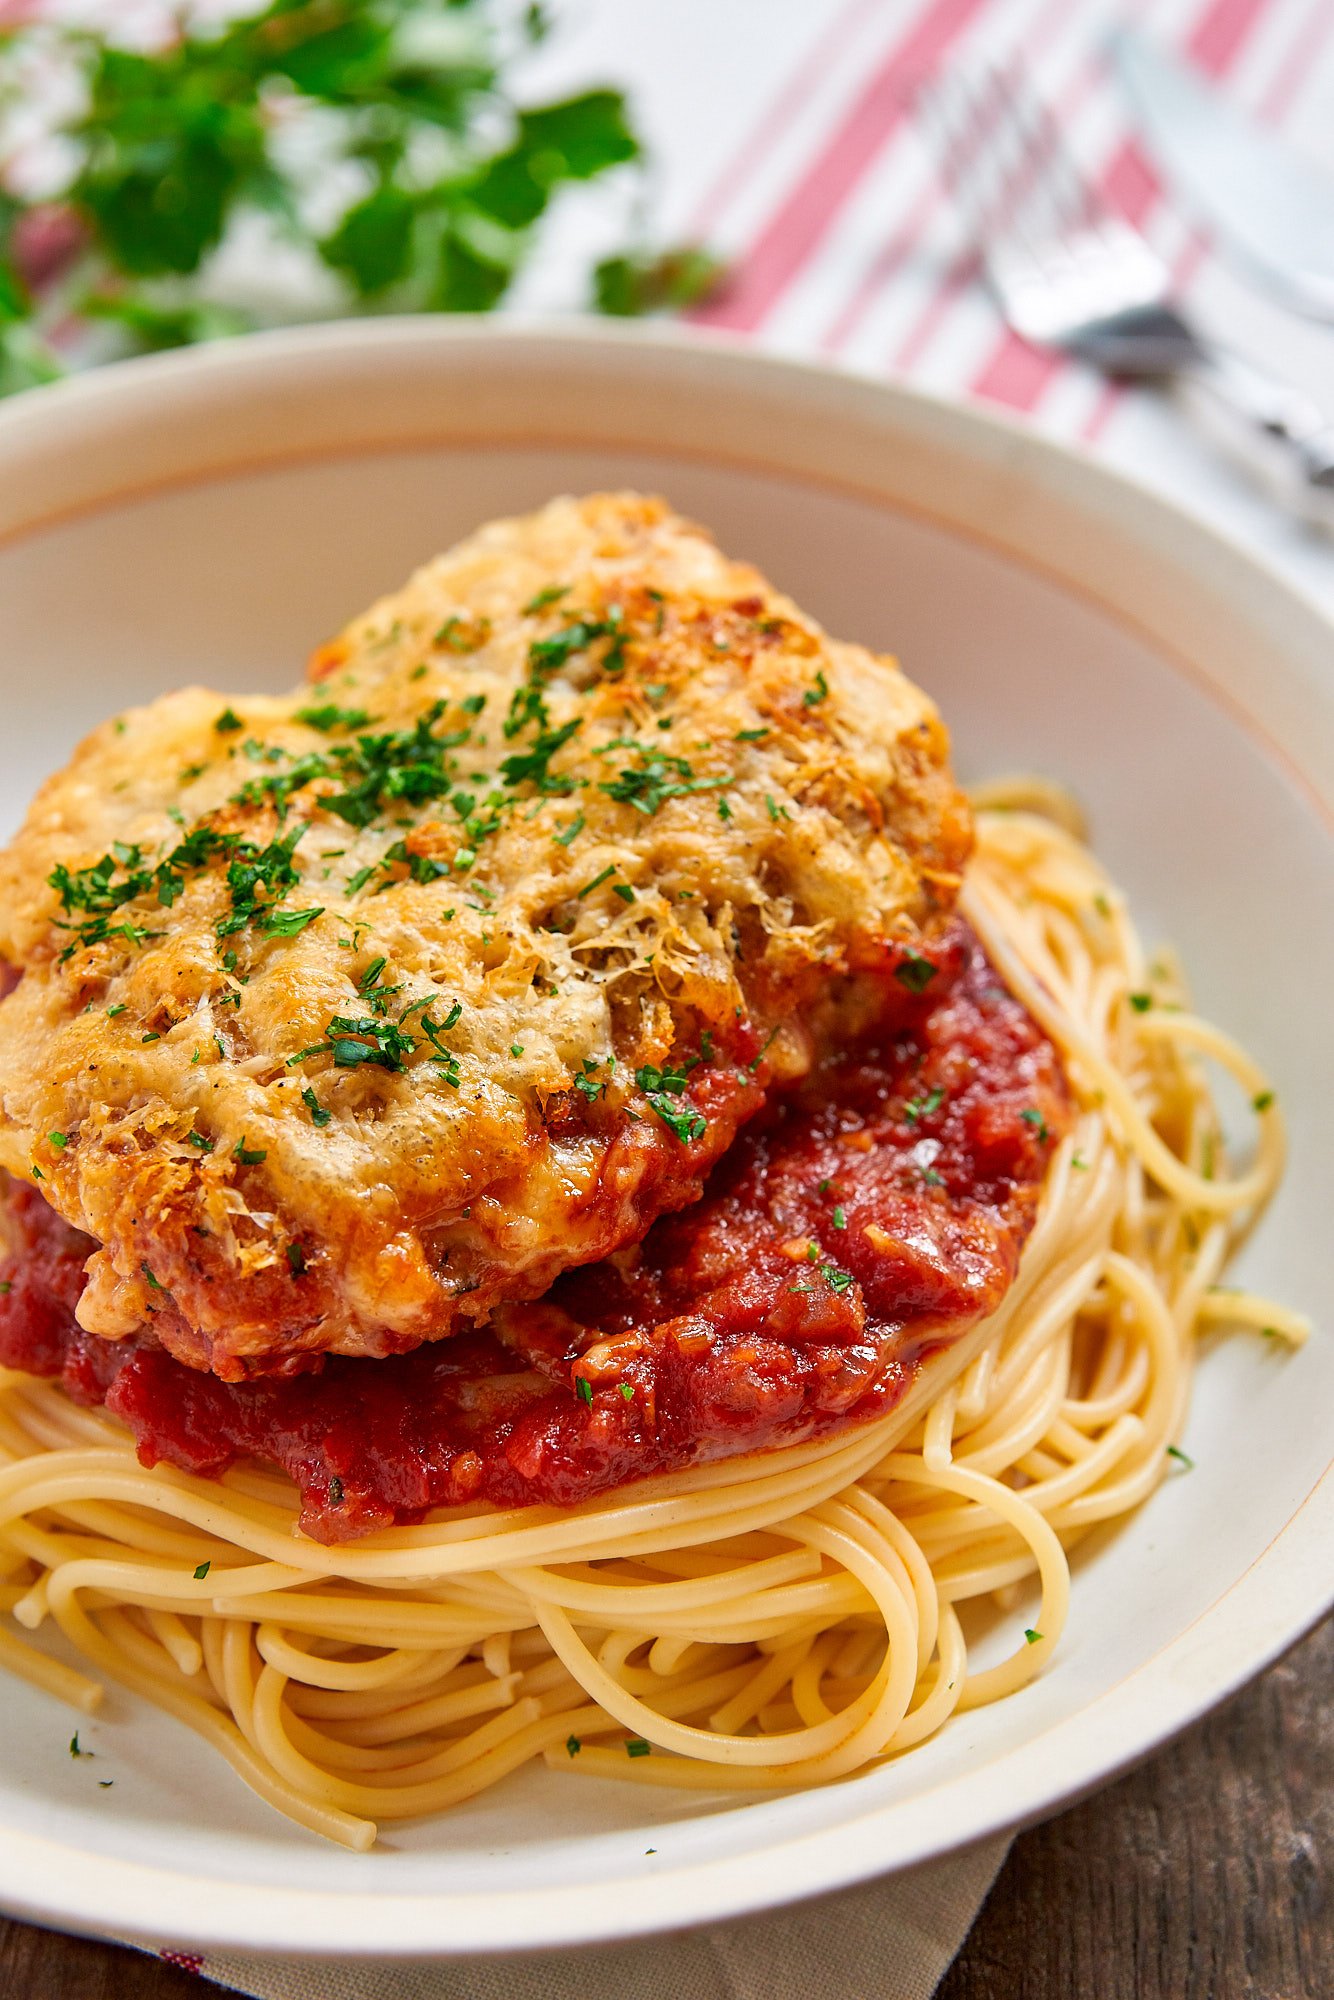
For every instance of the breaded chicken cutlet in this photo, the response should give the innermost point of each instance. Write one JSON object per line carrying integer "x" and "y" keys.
{"x": 340, "y": 1017}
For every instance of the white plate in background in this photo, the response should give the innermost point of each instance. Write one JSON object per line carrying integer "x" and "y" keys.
{"x": 212, "y": 516}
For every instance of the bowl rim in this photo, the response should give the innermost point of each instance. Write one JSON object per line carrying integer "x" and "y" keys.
{"x": 1281, "y": 1594}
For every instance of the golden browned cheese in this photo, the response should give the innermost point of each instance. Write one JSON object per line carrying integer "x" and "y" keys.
{"x": 346, "y": 1014}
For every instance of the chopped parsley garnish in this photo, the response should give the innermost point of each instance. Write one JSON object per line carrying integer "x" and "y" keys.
{"x": 546, "y": 656}
{"x": 1262, "y": 1100}
{"x": 155, "y": 1284}
{"x": 463, "y": 635}
{"x": 354, "y": 1041}
{"x": 287, "y": 923}
{"x": 837, "y": 1280}
{"x": 318, "y": 1114}
{"x": 916, "y": 972}
{"x": 573, "y": 1745}
{"x": 592, "y": 1091}
{"x": 1141, "y": 1002}
{"x": 415, "y": 765}
{"x": 1182, "y": 1458}
{"x": 532, "y": 767}
{"x": 724, "y": 810}
{"x": 331, "y": 716}
{"x": 656, "y": 778}
{"x": 660, "y": 1087}
{"x": 74, "y": 1749}
{"x": 751, "y": 735}
{"x": 59, "y": 1139}
{"x": 922, "y": 1107}
{"x": 1031, "y": 1116}
{"x": 769, "y": 1041}
{"x": 113, "y": 1011}
{"x": 551, "y": 595}
{"x": 815, "y": 695}
{"x": 202, "y": 1571}
{"x": 931, "y": 1177}
{"x": 153, "y": 1037}
{"x": 376, "y": 996}
{"x": 840, "y": 1218}
{"x": 1031, "y": 1636}
{"x": 259, "y": 877}
{"x": 624, "y": 891}
{"x": 249, "y": 1156}
{"x": 775, "y": 811}
{"x": 596, "y": 882}
{"x": 583, "y": 1388}
{"x": 627, "y": 1391}
{"x": 357, "y": 882}
{"x": 637, "y": 1747}
{"x": 567, "y": 834}
{"x": 228, "y": 722}
{"x": 198, "y": 1140}
{"x": 516, "y": 1049}
{"x": 296, "y": 1258}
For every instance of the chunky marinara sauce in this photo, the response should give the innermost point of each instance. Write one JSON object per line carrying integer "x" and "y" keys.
{"x": 866, "y": 1219}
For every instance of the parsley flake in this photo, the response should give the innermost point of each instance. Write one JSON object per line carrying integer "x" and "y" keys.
{"x": 330, "y": 716}
{"x": 916, "y": 972}
{"x": 551, "y": 595}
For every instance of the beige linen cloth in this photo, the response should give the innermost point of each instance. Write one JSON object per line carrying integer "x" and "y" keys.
{"x": 890, "y": 1940}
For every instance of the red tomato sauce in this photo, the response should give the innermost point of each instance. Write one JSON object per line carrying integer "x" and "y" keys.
{"x": 856, "y": 1226}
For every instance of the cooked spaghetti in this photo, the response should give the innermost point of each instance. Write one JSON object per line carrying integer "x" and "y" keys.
{"x": 780, "y": 1618}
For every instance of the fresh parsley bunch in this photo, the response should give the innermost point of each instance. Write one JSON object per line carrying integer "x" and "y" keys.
{"x": 376, "y": 139}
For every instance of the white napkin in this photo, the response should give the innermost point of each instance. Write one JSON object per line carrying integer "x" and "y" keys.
{"x": 890, "y": 1940}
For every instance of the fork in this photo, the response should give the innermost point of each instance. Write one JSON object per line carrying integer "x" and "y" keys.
{"x": 1069, "y": 273}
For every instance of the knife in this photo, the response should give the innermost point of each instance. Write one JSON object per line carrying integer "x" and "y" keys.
{"x": 1272, "y": 209}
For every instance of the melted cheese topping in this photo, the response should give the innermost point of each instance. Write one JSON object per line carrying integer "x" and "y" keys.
{"x": 345, "y": 1015}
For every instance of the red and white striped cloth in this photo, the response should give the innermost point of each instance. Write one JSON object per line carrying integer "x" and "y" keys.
{"x": 785, "y": 139}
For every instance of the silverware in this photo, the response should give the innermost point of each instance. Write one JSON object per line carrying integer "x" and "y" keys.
{"x": 1269, "y": 209}
{"x": 1069, "y": 273}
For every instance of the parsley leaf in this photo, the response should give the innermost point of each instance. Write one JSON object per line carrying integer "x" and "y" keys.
{"x": 331, "y": 716}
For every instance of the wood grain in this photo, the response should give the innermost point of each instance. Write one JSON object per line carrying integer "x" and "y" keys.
{"x": 1202, "y": 1876}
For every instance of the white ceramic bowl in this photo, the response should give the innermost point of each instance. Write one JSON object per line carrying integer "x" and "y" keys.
{"x": 212, "y": 516}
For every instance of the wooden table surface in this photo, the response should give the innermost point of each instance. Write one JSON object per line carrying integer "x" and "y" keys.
{"x": 1205, "y": 1875}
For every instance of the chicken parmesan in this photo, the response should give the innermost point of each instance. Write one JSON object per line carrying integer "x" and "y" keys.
{"x": 562, "y": 1196}
{"x": 342, "y": 1017}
